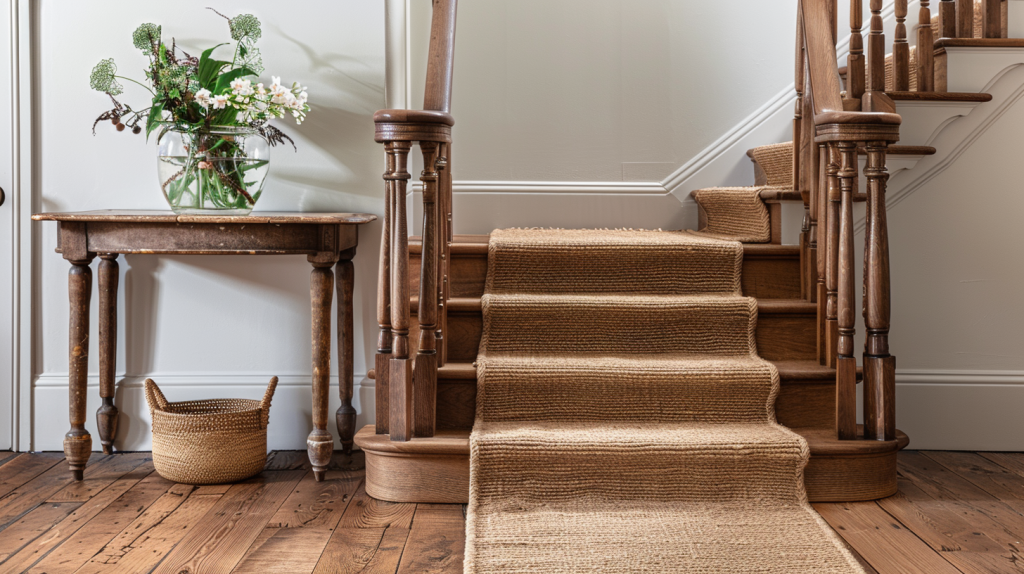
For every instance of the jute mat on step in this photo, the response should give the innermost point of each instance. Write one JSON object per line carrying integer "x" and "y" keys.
{"x": 624, "y": 420}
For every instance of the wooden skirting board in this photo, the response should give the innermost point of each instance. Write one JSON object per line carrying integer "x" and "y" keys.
{"x": 436, "y": 469}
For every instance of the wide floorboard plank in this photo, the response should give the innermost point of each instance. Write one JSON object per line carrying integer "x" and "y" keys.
{"x": 230, "y": 527}
{"x": 350, "y": 550}
{"x": 437, "y": 540}
{"x": 881, "y": 540}
{"x": 969, "y": 540}
{"x": 44, "y": 549}
{"x": 366, "y": 512}
{"x": 1000, "y": 482}
{"x": 22, "y": 468}
{"x": 144, "y": 543}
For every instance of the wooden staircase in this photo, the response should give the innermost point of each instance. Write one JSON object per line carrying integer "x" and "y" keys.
{"x": 435, "y": 469}
{"x": 846, "y": 127}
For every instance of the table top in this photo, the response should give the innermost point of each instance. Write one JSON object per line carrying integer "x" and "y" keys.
{"x": 155, "y": 216}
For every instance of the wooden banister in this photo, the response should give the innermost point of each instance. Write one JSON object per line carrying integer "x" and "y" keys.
{"x": 406, "y": 377}
{"x": 833, "y": 128}
{"x": 441, "y": 58}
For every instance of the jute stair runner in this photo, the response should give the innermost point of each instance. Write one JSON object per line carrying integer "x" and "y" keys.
{"x": 624, "y": 420}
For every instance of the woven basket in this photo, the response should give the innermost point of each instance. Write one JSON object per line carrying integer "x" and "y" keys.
{"x": 211, "y": 441}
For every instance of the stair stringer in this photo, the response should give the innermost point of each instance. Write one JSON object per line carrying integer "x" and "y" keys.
{"x": 953, "y": 131}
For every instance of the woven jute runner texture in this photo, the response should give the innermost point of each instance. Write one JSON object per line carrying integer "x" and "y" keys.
{"x": 624, "y": 420}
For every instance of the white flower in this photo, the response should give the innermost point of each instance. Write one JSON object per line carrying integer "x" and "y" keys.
{"x": 203, "y": 97}
{"x": 242, "y": 87}
{"x": 280, "y": 95}
{"x": 260, "y": 89}
{"x": 220, "y": 102}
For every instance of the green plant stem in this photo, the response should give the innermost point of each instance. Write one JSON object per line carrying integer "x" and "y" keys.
{"x": 148, "y": 89}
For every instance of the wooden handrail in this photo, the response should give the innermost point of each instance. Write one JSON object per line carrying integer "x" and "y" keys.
{"x": 441, "y": 59}
{"x": 406, "y": 369}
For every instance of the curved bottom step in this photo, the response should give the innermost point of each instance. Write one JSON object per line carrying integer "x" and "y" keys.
{"x": 436, "y": 469}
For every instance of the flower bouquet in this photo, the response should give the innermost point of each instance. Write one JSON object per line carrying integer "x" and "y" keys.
{"x": 212, "y": 117}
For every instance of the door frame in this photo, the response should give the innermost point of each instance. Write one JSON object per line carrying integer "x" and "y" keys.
{"x": 16, "y": 232}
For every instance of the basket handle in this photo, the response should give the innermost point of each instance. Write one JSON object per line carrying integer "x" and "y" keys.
{"x": 265, "y": 403}
{"x": 155, "y": 398}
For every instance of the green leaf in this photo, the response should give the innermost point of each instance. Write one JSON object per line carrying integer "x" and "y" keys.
{"x": 155, "y": 115}
{"x": 223, "y": 81}
{"x": 209, "y": 68}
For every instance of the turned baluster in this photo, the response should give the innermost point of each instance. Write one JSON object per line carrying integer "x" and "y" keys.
{"x": 876, "y": 50}
{"x": 901, "y": 50}
{"x": 799, "y": 166}
{"x": 846, "y": 363}
{"x": 925, "y": 50}
{"x": 382, "y": 363}
{"x": 963, "y": 19}
{"x": 947, "y": 19}
{"x": 832, "y": 207}
{"x": 444, "y": 226}
{"x": 879, "y": 365}
{"x": 991, "y": 19}
{"x": 822, "y": 250}
{"x": 400, "y": 380}
{"x": 855, "y": 80}
{"x": 425, "y": 375}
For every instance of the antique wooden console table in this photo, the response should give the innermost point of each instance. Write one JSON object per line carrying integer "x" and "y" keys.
{"x": 326, "y": 239}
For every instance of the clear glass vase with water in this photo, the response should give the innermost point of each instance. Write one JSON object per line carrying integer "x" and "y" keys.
{"x": 215, "y": 170}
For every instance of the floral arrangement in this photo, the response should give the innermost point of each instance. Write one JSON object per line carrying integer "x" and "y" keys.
{"x": 210, "y": 104}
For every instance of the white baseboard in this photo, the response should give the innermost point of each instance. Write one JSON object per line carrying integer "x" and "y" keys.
{"x": 961, "y": 410}
{"x": 290, "y": 413}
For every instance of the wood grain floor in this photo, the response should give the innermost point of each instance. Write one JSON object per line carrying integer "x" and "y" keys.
{"x": 955, "y": 512}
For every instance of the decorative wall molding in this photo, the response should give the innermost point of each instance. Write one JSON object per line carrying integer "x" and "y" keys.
{"x": 197, "y": 379}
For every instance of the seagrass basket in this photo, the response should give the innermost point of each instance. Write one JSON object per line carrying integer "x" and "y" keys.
{"x": 211, "y": 441}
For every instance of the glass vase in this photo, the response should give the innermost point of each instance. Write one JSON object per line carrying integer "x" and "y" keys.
{"x": 218, "y": 170}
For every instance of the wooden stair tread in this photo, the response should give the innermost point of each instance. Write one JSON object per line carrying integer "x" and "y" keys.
{"x": 764, "y": 306}
{"x": 979, "y": 43}
{"x": 939, "y": 97}
{"x": 905, "y": 150}
{"x": 822, "y": 442}
{"x": 780, "y": 195}
{"x": 770, "y": 250}
{"x": 789, "y": 371}
{"x": 462, "y": 245}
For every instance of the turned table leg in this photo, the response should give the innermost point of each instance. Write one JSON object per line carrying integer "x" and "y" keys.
{"x": 78, "y": 442}
{"x": 346, "y": 415}
{"x": 320, "y": 444}
{"x": 106, "y": 415}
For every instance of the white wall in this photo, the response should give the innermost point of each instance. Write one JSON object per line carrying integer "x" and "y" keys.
{"x": 201, "y": 326}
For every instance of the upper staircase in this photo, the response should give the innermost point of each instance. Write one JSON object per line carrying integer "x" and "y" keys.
{"x": 844, "y": 151}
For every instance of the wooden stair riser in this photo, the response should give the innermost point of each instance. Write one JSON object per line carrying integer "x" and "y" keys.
{"x": 767, "y": 273}
{"x": 780, "y": 336}
{"x": 801, "y": 404}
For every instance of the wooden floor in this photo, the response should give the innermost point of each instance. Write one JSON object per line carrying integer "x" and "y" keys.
{"x": 955, "y": 512}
